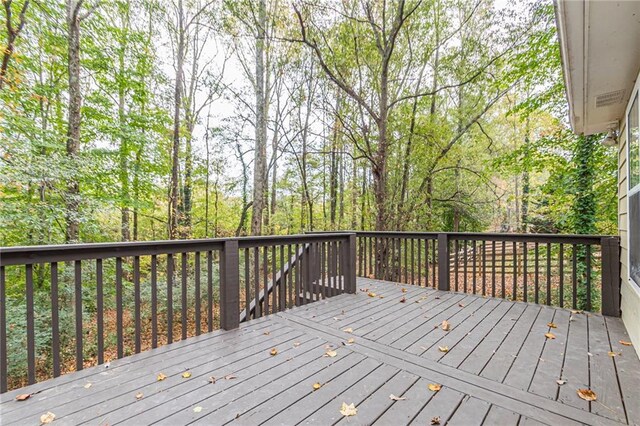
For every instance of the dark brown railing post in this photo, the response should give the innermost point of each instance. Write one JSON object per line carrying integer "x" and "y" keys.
{"x": 349, "y": 262}
{"x": 229, "y": 285}
{"x": 610, "y": 247}
{"x": 443, "y": 262}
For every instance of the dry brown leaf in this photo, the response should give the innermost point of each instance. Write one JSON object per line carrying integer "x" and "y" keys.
{"x": 47, "y": 418}
{"x": 437, "y": 297}
{"x": 139, "y": 395}
{"x": 273, "y": 352}
{"x": 87, "y": 386}
{"x": 462, "y": 306}
{"x": 435, "y": 420}
{"x": 404, "y": 290}
{"x": 587, "y": 394}
{"x": 624, "y": 342}
{"x": 396, "y": 398}
{"x": 197, "y": 409}
{"x": 550, "y": 335}
{"x": 351, "y": 341}
{"x": 161, "y": 377}
{"x": 348, "y": 330}
{"x": 552, "y": 325}
{"x": 561, "y": 382}
{"x": 316, "y": 386}
{"x": 23, "y": 397}
{"x": 444, "y": 349}
{"x": 296, "y": 344}
{"x": 266, "y": 333}
{"x": 212, "y": 379}
{"x": 403, "y": 300}
{"x": 348, "y": 410}
{"x": 230, "y": 377}
{"x": 573, "y": 311}
{"x": 446, "y": 326}
{"x": 186, "y": 374}
{"x": 331, "y": 353}
{"x": 381, "y": 297}
{"x": 434, "y": 387}
{"x": 371, "y": 294}
{"x": 612, "y": 354}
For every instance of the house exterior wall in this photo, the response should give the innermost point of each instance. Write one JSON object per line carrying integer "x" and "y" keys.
{"x": 630, "y": 294}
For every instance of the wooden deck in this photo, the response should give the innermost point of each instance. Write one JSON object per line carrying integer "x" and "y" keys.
{"x": 499, "y": 368}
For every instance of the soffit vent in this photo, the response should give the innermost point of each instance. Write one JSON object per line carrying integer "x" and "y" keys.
{"x": 610, "y": 98}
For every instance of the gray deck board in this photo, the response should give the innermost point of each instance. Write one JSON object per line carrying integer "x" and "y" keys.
{"x": 500, "y": 369}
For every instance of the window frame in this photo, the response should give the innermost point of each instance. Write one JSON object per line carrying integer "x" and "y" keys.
{"x": 634, "y": 98}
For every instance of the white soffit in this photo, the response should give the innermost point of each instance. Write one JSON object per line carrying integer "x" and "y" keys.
{"x": 600, "y": 47}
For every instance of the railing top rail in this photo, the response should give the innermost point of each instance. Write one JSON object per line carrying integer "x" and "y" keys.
{"x": 24, "y": 255}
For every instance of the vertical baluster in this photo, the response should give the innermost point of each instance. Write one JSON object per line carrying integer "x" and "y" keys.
{"x": 306, "y": 273}
{"x": 536, "y": 270}
{"x": 330, "y": 263}
{"x": 296, "y": 275}
{"x": 426, "y": 261}
{"x": 419, "y": 265}
{"x": 396, "y": 275}
{"x": 183, "y": 297}
{"x": 136, "y": 301}
{"x": 464, "y": 267}
{"x": 456, "y": 250}
{"x": 514, "y": 283}
{"x": 154, "y": 301}
{"x": 3, "y": 332}
{"x": 525, "y": 271}
{"x": 474, "y": 266}
{"x": 561, "y": 273}
{"x": 210, "y": 307}
{"x": 55, "y": 317}
{"x": 325, "y": 278}
{"x": 247, "y": 285}
{"x": 412, "y": 262}
{"x": 265, "y": 274}
{"x": 290, "y": 277}
{"x": 274, "y": 289}
{"x": 282, "y": 291}
{"x": 376, "y": 260}
{"x": 339, "y": 276}
{"x": 371, "y": 258}
{"x": 493, "y": 269}
{"x": 433, "y": 257}
{"x": 484, "y": 268}
{"x": 574, "y": 277}
{"x": 502, "y": 266}
{"x": 169, "y": 297}
{"x": 119, "y": 315}
{"x": 406, "y": 263}
{"x": 196, "y": 284}
{"x": 256, "y": 283}
{"x": 588, "y": 277}
{"x": 31, "y": 337}
{"x": 548, "y": 273}
{"x": 359, "y": 255}
{"x": 78, "y": 308}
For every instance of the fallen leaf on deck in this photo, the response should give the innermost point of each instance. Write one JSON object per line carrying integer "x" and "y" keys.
{"x": 266, "y": 333}
{"x": 434, "y": 387}
{"x": 331, "y": 353}
{"x": 212, "y": 379}
{"x": 444, "y": 349}
{"x": 445, "y": 325}
{"x": 404, "y": 290}
{"x": 587, "y": 394}
{"x": 139, "y": 395}
{"x": 296, "y": 344}
{"x": 403, "y": 300}
{"x": 348, "y": 410}
{"x": 624, "y": 342}
{"x": 351, "y": 341}
{"x": 612, "y": 354}
{"x": 381, "y": 297}
{"x": 87, "y": 386}
{"x": 435, "y": 420}
{"x": 197, "y": 409}
{"x": 396, "y": 398}
{"x": 106, "y": 365}
{"x": 573, "y": 311}
{"x": 274, "y": 352}
{"x": 23, "y": 397}
{"x": 316, "y": 386}
{"x": 47, "y": 418}
{"x": 161, "y": 377}
{"x": 186, "y": 374}
{"x": 462, "y": 306}
{"x": 230, "y": 377}
{"x": 561, "y": 382}
{"x": 348, "y": 330}
{"x": 549, "y": 335}
{"x": 552, "y": 325}
{"x": 437, "y": 297}
{"x": 371, "y": 294}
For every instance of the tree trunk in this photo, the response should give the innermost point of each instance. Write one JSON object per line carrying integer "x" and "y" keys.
{"x": 175, "y": 147}
{"x": 260, "y": 162}
{"x": 12, "y": 35}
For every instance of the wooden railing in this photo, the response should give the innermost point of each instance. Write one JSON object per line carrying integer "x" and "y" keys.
{"x": 577, "y": 271}
{"x": 63, "y": 308}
